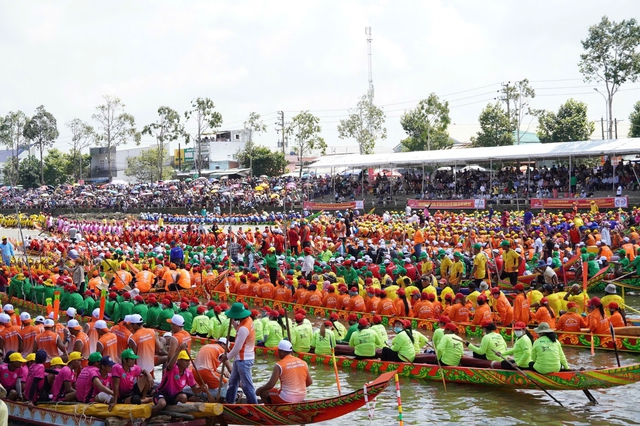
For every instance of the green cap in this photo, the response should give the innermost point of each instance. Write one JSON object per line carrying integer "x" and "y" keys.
{"x": 128, "y": 354}
{"x": 95, "y": 357}
{"x": 505, "y": 243}
{"x": 457, "y": 254}
{"x": 477, "y": 246}
{"x": 622, "y": 252}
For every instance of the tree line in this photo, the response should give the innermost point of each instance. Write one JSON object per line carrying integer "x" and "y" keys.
{"x": 610, "y": 56}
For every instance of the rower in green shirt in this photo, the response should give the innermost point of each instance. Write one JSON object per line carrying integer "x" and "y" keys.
{"x": 547, "y": 355}
{"x": 353, "y": 327}
{"x": 166, "y": 314}
{"x": 152, "y": 319}
{"x": 364, "y": 340}
{"x": 439, "y": 332}
{"x": 274, "y": 330}
{"x": 492, "y": 341}
{"x": 339, "y": 330}
{"x": 324, "y": 339}
{"x": 301, "y": 334}
{"x": 521, "y": 351}
{"x": 184, "y": 313}
{"x": 201, "y": 325}
{"x": 140, "y": 308}
{"x": 402, "y": 349}
{"x": 350, "y": 274}
{"x": 379, "y": 328}
{"x": 450, "y": 347}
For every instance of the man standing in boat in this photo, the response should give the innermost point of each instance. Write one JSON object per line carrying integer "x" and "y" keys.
{"x": 294, "y": 377}
{"x": 243, "y": 353}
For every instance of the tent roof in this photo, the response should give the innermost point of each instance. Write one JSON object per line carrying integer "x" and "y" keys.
{"x": 475, "y": 155}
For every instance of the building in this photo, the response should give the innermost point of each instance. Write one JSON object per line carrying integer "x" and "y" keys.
{"x": 5, "y": 156}
{"x": 99, "y": 169}
{"x": 216, "y": 151}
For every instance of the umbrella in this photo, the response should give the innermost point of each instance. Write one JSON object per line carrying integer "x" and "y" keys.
{"x": 274, "y": 195}
{"x": 226, "y": 193}
{"x": 291, "y": 185}
{"x": 202, "y": 178}
{"x": 258, "y": 188}
{"x": 277, "y": 188}
{"x": 264, "y": 177}
{"x": 173, "y": 187}
{"x": 199, "y": 186}
{"x": 239, "y": 193}
{"x": 188, "y": 180}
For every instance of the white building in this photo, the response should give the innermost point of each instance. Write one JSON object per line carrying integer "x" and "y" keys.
{"x": 99, "y": 171}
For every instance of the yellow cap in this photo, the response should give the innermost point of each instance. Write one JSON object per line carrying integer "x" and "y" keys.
{"x": 74, "y": 356}
{"x": 57, "y": 361}
{"x": 183, "y": 355}
{"x": 16, "y": 357}
{"x": 31, "y": 357}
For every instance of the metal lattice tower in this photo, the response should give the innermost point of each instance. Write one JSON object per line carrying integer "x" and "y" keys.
{"x": 367, "y": 31}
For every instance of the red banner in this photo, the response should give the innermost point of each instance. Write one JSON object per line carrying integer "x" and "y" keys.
{"x": 311, "y": 205}
{"x": 582, "y": 203}
{"x": 448, "y": 204}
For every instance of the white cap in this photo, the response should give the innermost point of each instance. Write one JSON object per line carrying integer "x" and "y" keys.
{"x": 101, "y": 325}
{"x": 24, "y": 316}
{"x": 96, "y": 313}
{"x": 135, "y": 319}
{"x": 49, "y": 323}
{"x": 285, "y": 346}
{"x": 167, "y": 334}
{"x": 177, "y": 320}
{"x": 127, "y": 318}
{"x": 8, "y": 307}
{"x": 71, "y": 312}
{"x": 222, "y": 340}
{"x": 50, "y": 316}
{"x": 73, "y": 324}
{"x": 39, "y": 318}
{"x": 4, "y": 318}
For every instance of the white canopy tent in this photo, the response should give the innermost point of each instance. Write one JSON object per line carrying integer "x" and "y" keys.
{"x": 475, "y": 155}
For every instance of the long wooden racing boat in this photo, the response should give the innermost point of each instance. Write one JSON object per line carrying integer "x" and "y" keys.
{"x": 565, "y": 380}
{"x": 628, "y": 340}
{"x": 306, "y": 412}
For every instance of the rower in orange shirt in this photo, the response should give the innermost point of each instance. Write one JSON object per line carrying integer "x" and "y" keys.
{"x": 49, "y": 341}
{"x": 545, "y": 314}
{"x": 385, "y": 307}
{"x": 108, "y": 342}
{"x": 521, "y": 310}
{"x": 502, "y": 306}
{"x": 282, "y": 292}
{"x": 145, "y": 279}
{"x": 616, "y": 318}
{"x": 10, "y": 337}
{"x": 597, "y": 321}
{"x": 459, "y": 311}
{"x": 314, "y": 296}
{"x": 356, "y": 302}
{"x": 482, "y": 312}
{"x": 122, "y": 278}
{"x": 331, "y": 299}
{"x": 570, "y": 320}
{"x": 402, "y": 305}
{"x": 423, "y": 309}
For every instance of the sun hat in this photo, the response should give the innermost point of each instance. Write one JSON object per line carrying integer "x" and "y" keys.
{"x": 183, "y": 355}
{"x": 610, "y": 289}
{"x": 16, "y": 357}
{"x": 57, "y": 361}
{"x": 176, "y": 320}
{"x": 128, "y": 354}
{"x": 285, "y": 346}
{"x": 237, "y": 311}
{"x": 74, "y": 356}
{"x": 543, "y": 328}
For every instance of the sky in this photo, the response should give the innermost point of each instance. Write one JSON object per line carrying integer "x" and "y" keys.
{"x": 297, "y": 55}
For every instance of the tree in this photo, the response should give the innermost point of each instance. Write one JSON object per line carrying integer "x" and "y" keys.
{"x": 365, "y": 124}
{"x": 56, "y": 165}
{"x": 305, "y": 131}
{"x": 27, "y": 174}
{"x": 42, "y": 129}
{"x": 116, "y": 127}
{"x": 202, "y": 110}
{"x": 11, "y": 135}
{"x": 82, "y": 136}
{"x": 266, "y": 162}
{"x": 634, "y": 120}
{"x": 167, "y": 129}
{"x": 611, "y": 55}
{"x": 517, "y": 98}
{"x": 254, "y": 124}
{"x": 496, "y": 127}
{"x": 569, "y": 124}
{"x": 144, "y": 167}
{"x": 426, "y": 125}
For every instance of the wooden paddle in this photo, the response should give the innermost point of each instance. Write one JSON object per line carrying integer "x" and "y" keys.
{"x": 226, "y": 351}
{"x": 535, "y": 382}
{"x": 615, "y": 344}
{"x": 335, "y": 365}
{"x": 439, "y": 366}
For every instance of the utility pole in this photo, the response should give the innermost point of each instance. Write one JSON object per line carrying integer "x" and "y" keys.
{"x": 370, "y": 93}
{"x": 280, "y": 123}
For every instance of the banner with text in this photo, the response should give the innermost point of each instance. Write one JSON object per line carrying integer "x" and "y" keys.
{"x": 447, "y": 204}
{"x": 582, "y": 203}
{"x": 312, "y": 205}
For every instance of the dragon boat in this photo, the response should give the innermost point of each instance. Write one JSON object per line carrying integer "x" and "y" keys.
{"x": 197, "y": 414}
